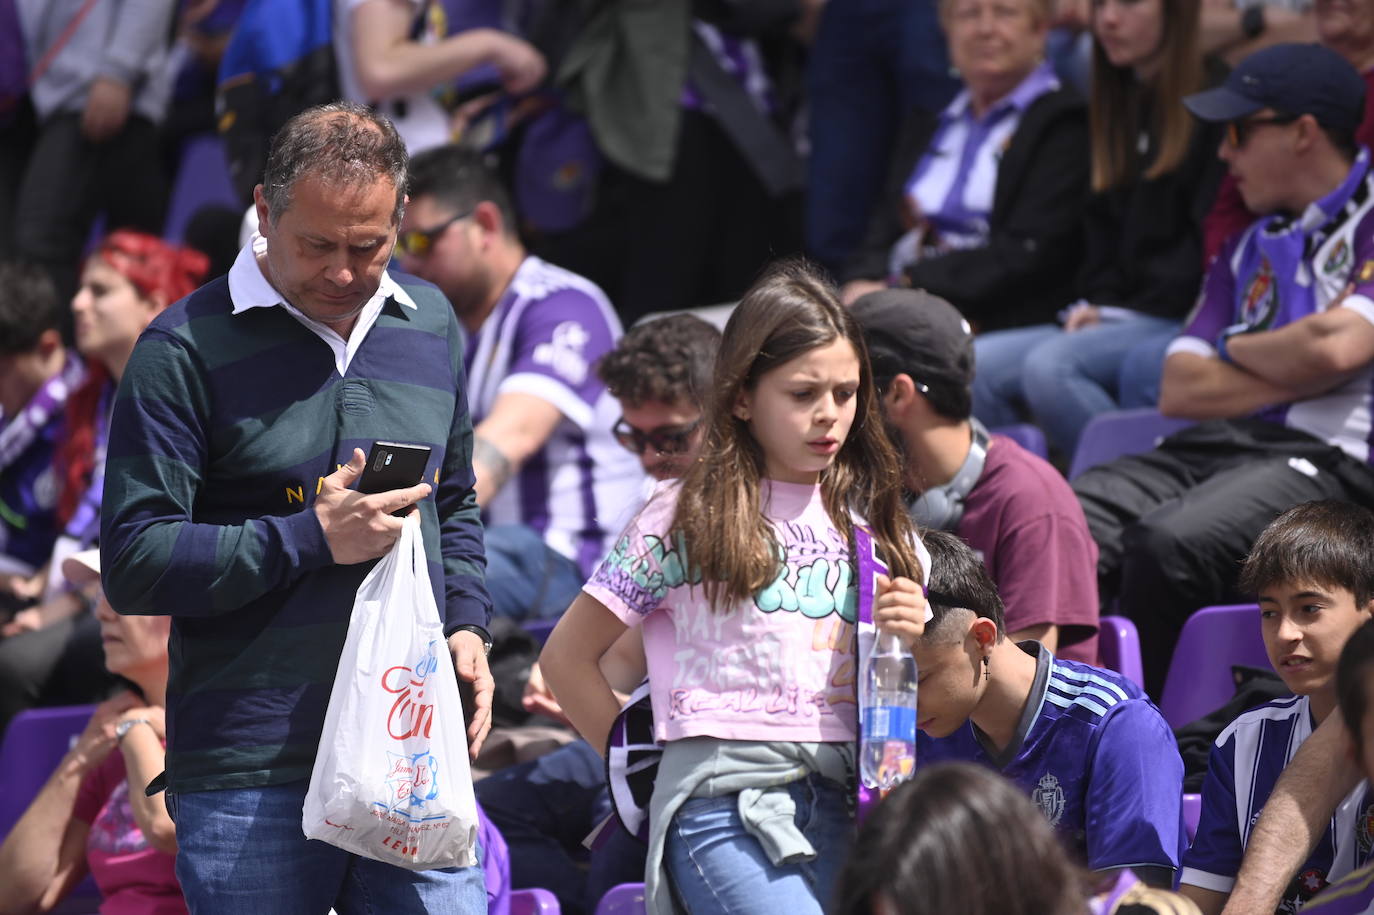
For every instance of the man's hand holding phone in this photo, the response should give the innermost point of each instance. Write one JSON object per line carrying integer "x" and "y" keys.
{"x": 361, "y": 526}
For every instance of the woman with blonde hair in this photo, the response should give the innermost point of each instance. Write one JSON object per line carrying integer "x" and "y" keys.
{"x": 1154, "y": 175}
{"x": 990, "y": 193}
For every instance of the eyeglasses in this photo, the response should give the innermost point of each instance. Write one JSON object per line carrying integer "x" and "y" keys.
{"x": 670, "y": 440}
{"x": 418, "y": 242}
{"x": 1238, "y": 132}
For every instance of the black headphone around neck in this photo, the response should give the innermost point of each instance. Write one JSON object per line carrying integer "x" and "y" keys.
{"x": 942, "y": 507}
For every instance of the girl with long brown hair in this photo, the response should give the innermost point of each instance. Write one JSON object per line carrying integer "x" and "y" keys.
{"x": 742, "y": 577}
{"x": 1154, "y": 176}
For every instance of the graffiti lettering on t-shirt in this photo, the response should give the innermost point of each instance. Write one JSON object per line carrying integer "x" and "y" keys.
{"x": 784, "y": 700}
{"x": 642, "y": 578}
{"x": 811, "y": 589}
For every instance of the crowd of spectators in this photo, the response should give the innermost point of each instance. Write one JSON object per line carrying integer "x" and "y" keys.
{"x": 1028, "y": 211}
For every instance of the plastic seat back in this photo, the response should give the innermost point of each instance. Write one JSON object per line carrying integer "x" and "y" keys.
{"x": 1199, "y": 679}
{"x": 533, "y": 901}
{"x": 1192, "y": 811}
{"x": 34, "y": 743}
{"x": 1027, "y": 436}
{"x": 1118, "y": 648}
{"x": 625, "y": 899}
{"x": 1121, "y": 432}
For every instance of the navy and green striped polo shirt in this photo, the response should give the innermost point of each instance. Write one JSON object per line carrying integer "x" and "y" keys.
{"x": 223, "y": 428}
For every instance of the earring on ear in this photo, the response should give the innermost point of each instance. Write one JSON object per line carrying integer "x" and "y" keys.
{"x": 986, "y": 672}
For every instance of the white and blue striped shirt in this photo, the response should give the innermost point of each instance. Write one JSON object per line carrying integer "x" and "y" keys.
{"x": 1246, "y": 761}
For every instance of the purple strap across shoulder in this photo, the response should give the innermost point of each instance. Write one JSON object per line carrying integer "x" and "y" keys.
{"x": 868, "y": 565}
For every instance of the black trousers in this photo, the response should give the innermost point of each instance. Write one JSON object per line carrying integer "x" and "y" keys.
{"x": 61, "y": 664}
{"x": 1173, "y": 524}
{"x": 700, "y": 238}
{"x": 66, "y": 181}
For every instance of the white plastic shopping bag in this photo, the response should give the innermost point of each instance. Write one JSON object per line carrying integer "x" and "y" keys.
{"x": 391, "y": 778}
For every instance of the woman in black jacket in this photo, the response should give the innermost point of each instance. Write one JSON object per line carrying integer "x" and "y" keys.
{"x": 989, "y": 193}
{"x": 1154, "y": 175}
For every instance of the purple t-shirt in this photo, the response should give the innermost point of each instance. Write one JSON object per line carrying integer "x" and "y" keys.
{"x": 1023, "y": 520}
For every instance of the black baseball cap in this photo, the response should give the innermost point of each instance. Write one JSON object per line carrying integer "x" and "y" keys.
{"x": 1291, "y": 78}
{"x": 913, "y": 332}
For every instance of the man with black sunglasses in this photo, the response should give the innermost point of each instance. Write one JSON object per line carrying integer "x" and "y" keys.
{"x": 552, "y": 482}
{"x": 1275, "y": 360}
{"x": 661, "y": 373}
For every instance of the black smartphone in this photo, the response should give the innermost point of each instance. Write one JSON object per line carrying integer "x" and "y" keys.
{"x": 394, "y": 465}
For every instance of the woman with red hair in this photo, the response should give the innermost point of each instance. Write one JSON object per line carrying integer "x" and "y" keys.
{"x": 50, "y": 653}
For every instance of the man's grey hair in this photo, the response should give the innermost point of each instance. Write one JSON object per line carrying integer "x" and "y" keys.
{"x": 346, "y": 143}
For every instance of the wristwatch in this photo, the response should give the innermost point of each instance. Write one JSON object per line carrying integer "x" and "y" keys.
{"x": 123, "y": 728}
{"x": 480, "y": 633}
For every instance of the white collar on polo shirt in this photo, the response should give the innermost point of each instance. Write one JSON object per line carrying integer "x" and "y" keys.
{"x": 249, "y": 288}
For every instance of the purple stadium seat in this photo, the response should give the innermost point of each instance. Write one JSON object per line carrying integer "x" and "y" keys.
{"x": 1199, "y": 679}
{"x": 533, "y": 902}
{"x": 1112, "y": 435}
{"x": 1118, "y": 648}
{"x": 540, "y": 629}
{"x": 1192, "y": 809}
{"x": 625, "y": 899}
{"x": 202, "y": 180}
{"x": 1027, "y": 436}
{"x": 34, "y": 744}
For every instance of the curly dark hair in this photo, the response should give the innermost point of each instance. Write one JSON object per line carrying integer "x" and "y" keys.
{"x": 667, "y": 360}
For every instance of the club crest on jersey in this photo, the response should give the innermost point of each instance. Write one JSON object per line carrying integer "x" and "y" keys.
{"x": 1364, "y": 830}
{"x": 1367, "y": 271}
{"x": 1049, "y": 797}
{"x": 1260, "y": 296}
{"x": 1339, "y": 259}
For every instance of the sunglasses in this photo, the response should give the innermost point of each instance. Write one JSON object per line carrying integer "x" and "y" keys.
{"x": 671, "y": 440}
{"x": 1238, "y": 132}
{"x": 418, "y": 242}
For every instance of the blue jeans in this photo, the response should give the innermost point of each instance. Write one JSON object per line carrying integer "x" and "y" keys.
{"x": 872, "y": 62}
{"x": 240, "y": 851}
{"x": 525, "y": 578}
{"x": 545, "y": 808}
{"x": 716, "y": 866}
{"x": 1062, "y": 379}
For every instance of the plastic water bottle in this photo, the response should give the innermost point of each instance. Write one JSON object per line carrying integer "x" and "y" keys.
{"x": 887, "y": 714}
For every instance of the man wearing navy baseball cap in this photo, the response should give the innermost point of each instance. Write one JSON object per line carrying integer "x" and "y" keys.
{"x": 1274, "y": 361}
{"x": 1303, "y": 86}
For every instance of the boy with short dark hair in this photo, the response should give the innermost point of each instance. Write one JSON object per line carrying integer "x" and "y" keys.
{"x": 1085, "y": 743}
{"x": 1312, "y": 570}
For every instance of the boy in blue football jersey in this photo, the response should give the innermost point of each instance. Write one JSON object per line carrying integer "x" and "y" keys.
{"x": 1313, "y": 572}
{"x": 1086, "y": 744}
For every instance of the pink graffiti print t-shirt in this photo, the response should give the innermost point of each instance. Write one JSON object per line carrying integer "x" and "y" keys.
{"x": 779, "y": 667}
